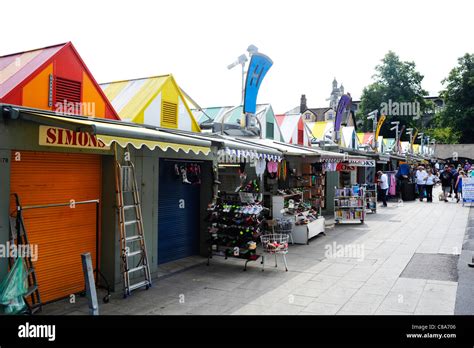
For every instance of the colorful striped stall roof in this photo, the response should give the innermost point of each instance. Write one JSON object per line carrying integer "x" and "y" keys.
{"x": 365, "y": 138}
{"x": 15, "y": 68}
{"x": 131, "y": 97}
{"x": 232, "y": 114}
{"x": 288, "y": 125}
{"x": 321, "y": 128}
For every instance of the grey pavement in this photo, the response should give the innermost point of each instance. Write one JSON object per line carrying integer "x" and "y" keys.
{"x": 376, "y": 268}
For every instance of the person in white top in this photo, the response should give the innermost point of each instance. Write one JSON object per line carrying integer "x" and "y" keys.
{"x": 383, "y": 183}
{"x": 420, "y": 181}
{"x": 430, "y": 181}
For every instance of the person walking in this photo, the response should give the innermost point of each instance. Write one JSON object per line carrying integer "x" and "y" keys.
{"x": 455, "y": 179}
{"x": 383, "y": 183}
{"x": 458, "y": 185}
{"x": 467, "y": 167}
{"x": 446, "y": 181}
{"x": 430, "y": 181}
{"x": 420, "y": 181}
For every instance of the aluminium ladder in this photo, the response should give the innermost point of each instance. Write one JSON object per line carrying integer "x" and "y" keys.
{"x": 18, "y": 236}
{"x": 130, "y": 215}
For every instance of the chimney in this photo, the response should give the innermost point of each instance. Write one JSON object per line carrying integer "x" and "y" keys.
{"x": 303, "y": 106}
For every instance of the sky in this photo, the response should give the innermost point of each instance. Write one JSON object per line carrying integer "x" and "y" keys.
{"x": 310, "y": 42}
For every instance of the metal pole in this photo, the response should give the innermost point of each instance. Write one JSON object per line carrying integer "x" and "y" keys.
{"x": 243, "y": 83}
{"x": 91, "y": 292}
{"x": 374, "y": 130}
{"x": 396, "y": 139}
{"x": 58, "y": 204}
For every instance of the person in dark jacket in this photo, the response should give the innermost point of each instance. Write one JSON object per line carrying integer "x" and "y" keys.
{"x": 446, "y": 181}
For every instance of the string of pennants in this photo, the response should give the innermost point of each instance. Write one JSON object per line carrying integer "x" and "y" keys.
{"x": 227, "y": 155}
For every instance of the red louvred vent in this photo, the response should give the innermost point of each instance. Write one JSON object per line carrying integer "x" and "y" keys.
{"x": 67, "y": 91}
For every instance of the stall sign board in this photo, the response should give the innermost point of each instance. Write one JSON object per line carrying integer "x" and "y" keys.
{"x": 361, "y": 162}
{"x": 341, "y": 167}
{"x": 52, "y": 136}
{"x": 468, "y": 190}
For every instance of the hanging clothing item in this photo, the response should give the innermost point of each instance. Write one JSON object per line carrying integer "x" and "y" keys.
{"x": 393, "y": 186}
{"x": 282, "y": 170}
{"x": 272, "y": 166}
{"x": 260, "y": 166}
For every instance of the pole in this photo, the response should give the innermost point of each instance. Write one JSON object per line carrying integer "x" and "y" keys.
{"x": 396, "y": 140}
{"x": 374, "y": 130}
{"x": 243, "y": 84}
{"x": 91, "y": 292}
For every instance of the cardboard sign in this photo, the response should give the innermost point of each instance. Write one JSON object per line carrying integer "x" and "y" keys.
{"x": 468, "y": 190}
{"x": 52, "y": 136}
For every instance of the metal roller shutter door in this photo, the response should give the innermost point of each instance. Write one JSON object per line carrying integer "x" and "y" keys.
{"x": 61, "y": 233}
{"x": 178, "y": 227}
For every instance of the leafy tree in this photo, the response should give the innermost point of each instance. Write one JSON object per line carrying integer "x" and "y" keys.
{"x": 458, "y": 96}
{"x": 443, "y": 135}
{"x": 399, "y": 82}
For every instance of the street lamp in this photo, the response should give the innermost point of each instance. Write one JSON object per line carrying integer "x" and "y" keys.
{"x": 395, "y": 128}
{"x": 242, "y": 60}
{"x": 373, "y": 116}
{"x": 421, "y": 141}
{"x": 428, "y": 142}
{"x": 410, "y": 132}
{"x": 252, "y": 49}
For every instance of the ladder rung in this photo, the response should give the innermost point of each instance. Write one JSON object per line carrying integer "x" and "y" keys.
{"x": 135, "y": 269}
{"x": 138, "y": 285}
{"x": 131, "y": 222}
{"x": 133, "y": 253}
{"x": 133, "y": 238}
{"x": 31, "y": 290}
{"x": 125, "y": 207}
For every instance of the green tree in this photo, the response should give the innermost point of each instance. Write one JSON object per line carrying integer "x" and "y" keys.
{"x": 395, "y": 81}
{"x": 443, "y": 135}
{"x": 458, "y": 96}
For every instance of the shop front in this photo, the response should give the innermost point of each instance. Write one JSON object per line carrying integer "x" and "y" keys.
{"x": 62, "y": 168}
{"x": 55, "y": 176}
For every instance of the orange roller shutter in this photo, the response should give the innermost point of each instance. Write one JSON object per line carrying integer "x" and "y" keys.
{"x": 61, "y": 233}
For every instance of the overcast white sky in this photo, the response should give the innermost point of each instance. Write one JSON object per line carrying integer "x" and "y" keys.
{"x": 310, "y": 42}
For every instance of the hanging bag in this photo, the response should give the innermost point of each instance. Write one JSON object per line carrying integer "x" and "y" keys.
{"x": 13, "y": 288}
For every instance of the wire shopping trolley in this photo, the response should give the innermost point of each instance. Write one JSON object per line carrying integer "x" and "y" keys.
{"x": 274, "y": 244}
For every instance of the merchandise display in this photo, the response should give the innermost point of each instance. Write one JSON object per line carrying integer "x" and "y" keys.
{"x": 349, "y": 204}
{"x": 371, "y": 198}
{"x": 315, "y": 185}
{"x": 234, "y": 230}
{"x": 285, "y": 226}
{"x": 190, "y": 173}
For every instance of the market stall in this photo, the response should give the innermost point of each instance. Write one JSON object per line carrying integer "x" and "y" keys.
{"x": 298, "y": 192}
{"x": 237, "y": 216}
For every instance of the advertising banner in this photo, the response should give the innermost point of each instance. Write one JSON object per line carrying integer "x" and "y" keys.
{"x": 343, "y": 106}
{"x": 258, "y": 68}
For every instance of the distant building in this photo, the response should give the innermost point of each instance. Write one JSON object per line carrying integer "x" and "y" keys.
{"x": 323, "y": 114}
{"x": 336, "y": 94}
